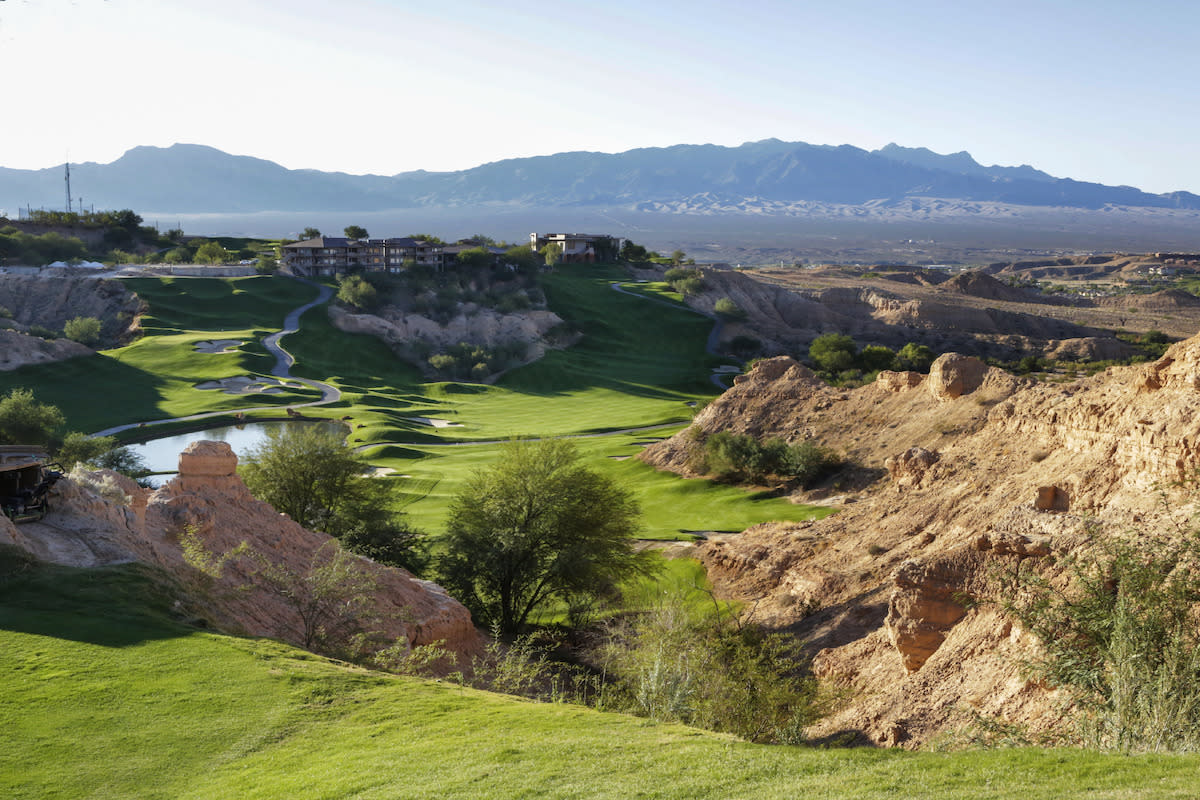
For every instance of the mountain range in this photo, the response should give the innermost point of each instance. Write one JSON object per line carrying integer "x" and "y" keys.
{"x": 768, "y": 174}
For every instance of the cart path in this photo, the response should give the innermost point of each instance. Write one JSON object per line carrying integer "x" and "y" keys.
{"x": 282, "y": 369}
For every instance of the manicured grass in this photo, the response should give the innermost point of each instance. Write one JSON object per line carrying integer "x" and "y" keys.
{"x": 672, "y": 507}
{"x": 107, "y": 697}
{"x": 155, "y": 377}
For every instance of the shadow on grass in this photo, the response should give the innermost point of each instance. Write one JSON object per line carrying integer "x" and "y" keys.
{"x": 93, "y": 392}
{"x": 114, "y": 606}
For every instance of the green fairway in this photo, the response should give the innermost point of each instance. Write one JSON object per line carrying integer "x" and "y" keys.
{"x": 635, "y": 365}
{"x": 106, "y": 697}
{"x": 672, "y": 507}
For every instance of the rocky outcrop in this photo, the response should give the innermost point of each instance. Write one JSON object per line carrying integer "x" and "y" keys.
{"x": 890, "y": 381}
{"x": 486, "y": 328}
{"x": 20, "y": 349}
{"x": 897, "y": 594}
{"x": 52, "y": 298}
{"x": 208, "y": 506}
{"x": 910, "y": 468}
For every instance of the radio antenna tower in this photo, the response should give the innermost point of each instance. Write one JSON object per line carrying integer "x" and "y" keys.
{"x": 68, "y": 180}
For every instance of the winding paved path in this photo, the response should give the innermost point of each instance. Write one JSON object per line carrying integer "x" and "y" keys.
{"x": 282, "y": 369}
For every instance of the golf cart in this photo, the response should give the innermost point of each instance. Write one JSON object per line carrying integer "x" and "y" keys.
{"x": 26, "y": 476}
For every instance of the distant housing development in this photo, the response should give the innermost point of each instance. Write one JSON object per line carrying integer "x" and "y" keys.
{"x": 337, "y": 255}
{"x": 579, "y": 248}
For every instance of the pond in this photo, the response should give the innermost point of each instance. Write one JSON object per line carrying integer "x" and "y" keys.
{"x": 162, "y": 455}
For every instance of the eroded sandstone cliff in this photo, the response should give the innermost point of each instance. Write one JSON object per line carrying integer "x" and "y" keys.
{"x": 963, "y": 476}
{"x": 208, "y": 500}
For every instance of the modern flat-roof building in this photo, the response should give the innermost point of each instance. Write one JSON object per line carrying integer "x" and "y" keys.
{"x": 580, "y": 248}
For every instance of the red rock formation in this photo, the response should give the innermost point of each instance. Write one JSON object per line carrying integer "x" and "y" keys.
{"x": 210, "y": 500}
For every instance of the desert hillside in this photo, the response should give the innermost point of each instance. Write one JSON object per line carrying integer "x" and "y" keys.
{"x": 970, "y": 312}
{"x": 960, "y": 475}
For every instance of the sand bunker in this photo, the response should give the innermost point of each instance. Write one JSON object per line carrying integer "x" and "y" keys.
{"x": 219, "y": 346}
{"x": 244, "y": 384}
{"x": 435, "y": 423}
{"x": 384, "y": 472}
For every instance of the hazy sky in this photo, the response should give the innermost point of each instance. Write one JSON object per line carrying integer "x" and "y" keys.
{"x": 1102, "y": 90}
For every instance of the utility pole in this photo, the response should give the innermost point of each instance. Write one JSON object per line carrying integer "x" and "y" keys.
{"x": 68, "y": 180}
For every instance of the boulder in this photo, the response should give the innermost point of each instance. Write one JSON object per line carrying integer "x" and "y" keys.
{"x": 953, "y": 375}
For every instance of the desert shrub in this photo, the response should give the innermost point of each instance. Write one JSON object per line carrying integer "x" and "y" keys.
{"x": 685, "y": 663}
{"x": 738, "y": 457}
{"x": 85, "y": 330}
{"x": 685, "y": 280}
{"x": 5, "y": 313}
{"x": 744, "y": 347}
{"x": 1123, "y": 639}
{"x": 724, "y": 307}
{"x": 103, "y": 485}
{"x": 42, "y": 332}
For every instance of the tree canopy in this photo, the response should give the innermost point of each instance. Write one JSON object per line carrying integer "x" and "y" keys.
{"x": 537, "y": 527}
{"x": 833, "y": 352}
{"x": 23, "y": 420}
{"x": 309, "y": 473}
{"x": 355, "y": 232}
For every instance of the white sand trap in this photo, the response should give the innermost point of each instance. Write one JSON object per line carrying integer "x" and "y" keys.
{"x": 619, "y": 458}
{"x": 434, "y": 422}
{"x": 383, "y": 472}
{"x": 219, "y": 346}
{"x": 243, "y": 384}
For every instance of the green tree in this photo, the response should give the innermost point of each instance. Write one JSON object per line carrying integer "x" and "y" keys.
{"x": 267, "y": 264}
{"x": 875, "y": 357}
{"x": 178, "y": 255}
{"x": 85, "y": 330}
{"x": 100, "y": 452}
{"x": 677, "y": 257}
{"x": 426, "y": 237}
{"x": 523, "y": 257}
{"x": 536, "y": 527}
{"x": 474, "y": 258}
{"x": 310, "y": 233}
{"x": 355, "y": 232}
{"x": 832, "y": 352}
{"x": 212, "y": 253}
{"x": 915, "y": 357}
{"x": 633, "y": 252}
{"x": 354, "y": 291}
{"x": 551, "y": 253}
{"x": 23, "y": 420}
{"x": 309, "y": 473}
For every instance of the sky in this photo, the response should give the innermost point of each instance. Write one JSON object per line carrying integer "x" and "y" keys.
{"x": 1102, "y": 90}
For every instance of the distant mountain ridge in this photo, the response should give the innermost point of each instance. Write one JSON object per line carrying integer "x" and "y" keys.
{"x": 189, "y": 178}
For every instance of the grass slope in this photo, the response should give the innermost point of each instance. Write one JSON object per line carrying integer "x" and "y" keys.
{"x": 106, "y": 697}
{"x": 155, "y": 377}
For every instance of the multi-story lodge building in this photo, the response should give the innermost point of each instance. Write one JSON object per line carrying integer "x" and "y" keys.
{"x": 337, "y": 255}
{"x": 334, "y": 255}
